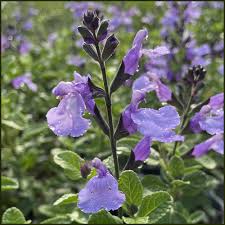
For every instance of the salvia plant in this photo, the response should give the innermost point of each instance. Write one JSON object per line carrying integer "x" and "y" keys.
{"x": 116, "y": 192}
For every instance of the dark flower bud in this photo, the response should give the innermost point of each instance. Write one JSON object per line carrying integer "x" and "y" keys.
{"x": 103, "y": 30}
{"x": 91, "y": 21}
{"x": 86, "y": 34}
{"x": 88, "y": 17}
{"x": 196, "y": 74}
{"x": 85, "y": 169}
{"x": 99, "y": 14}
{"x": 110, "y": 46}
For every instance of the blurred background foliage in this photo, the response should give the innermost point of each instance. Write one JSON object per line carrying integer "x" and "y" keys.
{"x": 28, "y": 144}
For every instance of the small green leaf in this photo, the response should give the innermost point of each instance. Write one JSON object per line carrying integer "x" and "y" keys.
{"x": 70, "y": 162}
{"x": 153, "y": 183}
{"x": 13, "y": 216}
{"x": 155, "y": 206}
{"x": 66, "y": 199}
{"x": 8, "y": 183}
{"x": 104, "y": 217}
{"x": 176, "y": 167}
{"x": 207, "y": 162}
{"x": 12, "y": 124}
{"x": 131, "y": 186}
{"x": 196, "y": 217}
{"x": 179, "y": 183}
{"x": 135, "y": 220}
{"x": 57, "y": 220}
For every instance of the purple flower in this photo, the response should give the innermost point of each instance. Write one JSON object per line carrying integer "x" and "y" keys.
{"x": 131, "y": 59}
{"x": 156, "y": 52}
{"x": 158, "y": 124}
{"x": 142, "y": 149}
{"x": 149, "y": 82}
{"x": 211, "y": 116}
{"x": 5, "y": 43}
{"x": 28, "y": 25}
{"x": 215, "y": 143}
{"x": 66, "y": 119}
{"x": 75, "y": 60}
{"x": 211, "y": 119}
{"x": 76, "y": 96}
{"x": 52, "y": 38}
{"x": 100, "y": 192}
{"x": 140, "y": 88}
{"x": 25, "y": 47}
{"x": 24, "y": 79}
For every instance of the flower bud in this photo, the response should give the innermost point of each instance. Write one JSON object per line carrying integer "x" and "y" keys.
{"x": 110, "y": 46}
{"x": 91, "y": 21}
{"x": 85, "y": 169}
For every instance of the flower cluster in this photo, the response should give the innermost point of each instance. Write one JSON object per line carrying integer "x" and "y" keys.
{"x": 66, "y": 119}
{"x": 13, "y": 36}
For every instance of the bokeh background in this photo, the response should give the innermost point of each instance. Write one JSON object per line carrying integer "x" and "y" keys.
{"x": 40, "y": 38}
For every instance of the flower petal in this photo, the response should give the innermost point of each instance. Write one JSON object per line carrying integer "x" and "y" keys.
{"x": 157, "y": 124}
{"x": 66, "y": 119}
{"x": 215, "y": 142}
{"x": 100, "y": 193}
{"x": 142, "y": 149}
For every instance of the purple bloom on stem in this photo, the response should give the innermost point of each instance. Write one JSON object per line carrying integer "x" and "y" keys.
{"x": 211, "y": 116}
{"x": 100, "y": 192}
{"x": 76, "y": 96}
{"x": 156, "y": 52}
{"x": 211, "y": 119}
{"x": 158, "y": 124}
{"x": 28, "y": 25}
{"x": 24, "y": 79}
{"x": 142, "y": 149}
{"x": 149, "y": 82}
{"x": 5, "y": 43}
{"x": 215, "y": 143}
{"x": 131, "y": 59}
{"x": 25, "y": 47}
{"x": 66, "y": 119}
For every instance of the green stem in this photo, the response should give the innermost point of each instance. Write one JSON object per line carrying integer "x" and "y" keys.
{"x": 184, "y": 118}
{"x": 108, "y": 104}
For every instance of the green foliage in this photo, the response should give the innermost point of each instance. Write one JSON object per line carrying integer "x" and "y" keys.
{"x": 176, "y": 167}
{"x": 66, "y": 199}
{"x": 104, "y": 217}
{"x": 8, "y": 183}
{"x": 14, "y": 216}
{"x": 131, "y": 186}
{"x": 70, "y": 162}
{"x": 155, "y": 206}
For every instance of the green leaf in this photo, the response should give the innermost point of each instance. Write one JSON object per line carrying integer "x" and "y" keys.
{"x": 176, "y": 167}
{"x": 196, "y": 217}
{"x": 8, "y": 183}
{"x": 155, "y": 206}
{"x": 12, "y": 124}
{"x": 153, "y": 183}
{"x": 131, "y": 186}
{"x": 70, "y": 162}
{"x": 104, "y": 217}
{"x": 207, "y": 162}
{"x": 135, "y": 220}
{"x": 179, "y": 183}
{"x": 13, "y": 216}
{"x": 66, "y": 199}
{"x": 57, "y": 220}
